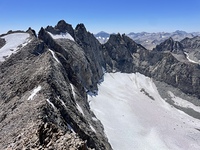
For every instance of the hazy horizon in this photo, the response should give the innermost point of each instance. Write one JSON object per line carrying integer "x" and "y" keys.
{"x": 109, "y": 16}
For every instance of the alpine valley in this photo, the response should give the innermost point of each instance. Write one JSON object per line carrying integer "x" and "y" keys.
{"x": 63, "y": 89}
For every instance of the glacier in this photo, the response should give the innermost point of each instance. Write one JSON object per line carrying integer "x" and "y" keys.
{"x": 135, "y": 116}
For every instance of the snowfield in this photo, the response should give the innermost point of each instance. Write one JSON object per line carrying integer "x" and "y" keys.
{"x": 14, "y": 42}
{"x": 135, "y": 116}
{"x": 61, "y": 36}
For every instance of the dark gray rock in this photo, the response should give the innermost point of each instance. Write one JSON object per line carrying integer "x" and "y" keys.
{"x": 50, "y": 119}
{"x": 118, "y": 53}
{"x": 189, "y": 43}
{"x": 92, "y": 49}
{"x": 171, "y": 46}
{"x": 78, "y": 70}
{"x": 192, "y": 47}
{"x": 61, "y": 27}
{"x": 166, "y": 68}
{"x": 66, "y": 56}
{"x": 31, "y": 32}
{"x": 184, "y": 76}
{"x": 2, "y": 42}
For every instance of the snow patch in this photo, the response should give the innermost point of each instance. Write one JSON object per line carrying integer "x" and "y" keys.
{"x": 74, "y": 95}
{"x": 62, "y": 36}
{"x": 190, "y": 60}
{"x": 62, "y": 102}
{"x": 14, "y": 42}
{"x": 93, "y": 129}
{"x": 183, "y": 103}
{"x": 79, "y": 109}
{"x": 132, "y": 120}
{"x": 73, "y": 91}
{"x": 95, "y": 119}
{"x": 34, "y": 92}
{"x": 51, "y": 103}
{"x": 53, "y": 54}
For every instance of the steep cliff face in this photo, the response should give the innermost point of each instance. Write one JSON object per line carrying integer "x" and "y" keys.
{"x": 92, "y": 49}
{"x": 118, "y": 53}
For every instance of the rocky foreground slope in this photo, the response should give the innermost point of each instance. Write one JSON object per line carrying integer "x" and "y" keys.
{"x": 44, "y": 85}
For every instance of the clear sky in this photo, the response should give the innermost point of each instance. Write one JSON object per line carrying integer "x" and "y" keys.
{"x": 122, "y": 16}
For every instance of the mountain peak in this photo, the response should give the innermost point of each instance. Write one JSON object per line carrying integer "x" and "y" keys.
{"x": 102, "y": 34}
{"x": 80, "y": 26}
{"x": 180, "y": 32}
{"x": 62, "y": 25}
{"x": 171, "y": 46}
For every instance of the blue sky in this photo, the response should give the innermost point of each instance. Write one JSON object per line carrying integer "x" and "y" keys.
{"x": 122, "y": 16}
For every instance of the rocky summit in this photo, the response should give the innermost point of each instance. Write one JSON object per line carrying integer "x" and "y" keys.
{"x": 45, "y": 81}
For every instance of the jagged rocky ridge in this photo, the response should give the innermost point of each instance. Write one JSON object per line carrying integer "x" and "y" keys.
{"x": 64, "y": 71}
{"x": 150, "y": 40}
{"x": 53, "y": 118}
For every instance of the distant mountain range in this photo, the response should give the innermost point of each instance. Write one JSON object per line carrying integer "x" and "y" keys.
{"x": 150, "y": 40}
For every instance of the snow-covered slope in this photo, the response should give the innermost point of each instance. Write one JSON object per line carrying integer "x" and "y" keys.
{"x": 136, "y": 117}
{"x": 14, "y": 42}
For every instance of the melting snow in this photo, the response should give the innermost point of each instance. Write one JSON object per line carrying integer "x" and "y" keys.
{"x": 190, "y": 60}
{"x": 53, "y": 54}
{"x": 34, "y": 92}
{"x": 51, "y": 103}
{"x": 62, "y": 36}
{"x": 13, "y": 43}
{"x": 62, "y": 102}
{"x": 95, "y": 119}
{"x": 132, "y": 120}
{"x": 79, "y": 109}
{"x": 77, "y": 105}
{"x": 93, "y": 129}
{"x": 73, "y": 92}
